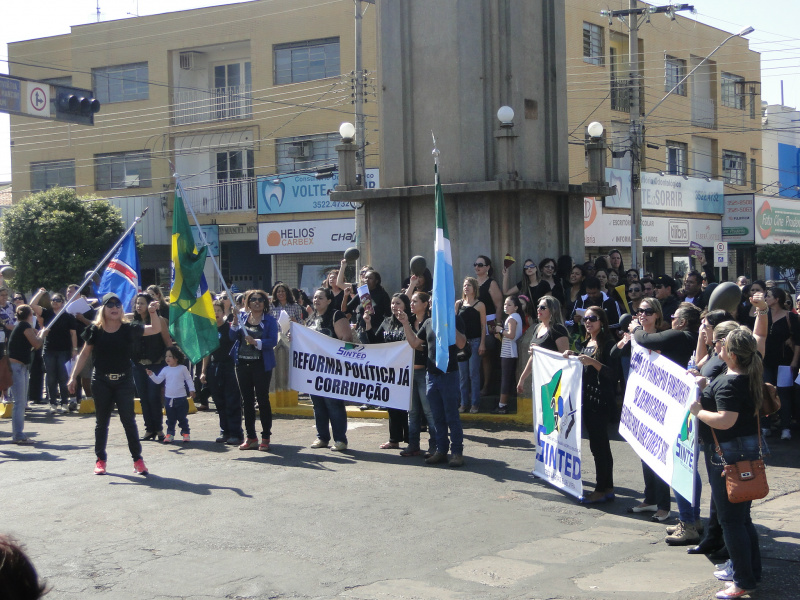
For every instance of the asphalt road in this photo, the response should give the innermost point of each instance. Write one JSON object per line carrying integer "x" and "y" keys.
{"x": 213, "y": 522}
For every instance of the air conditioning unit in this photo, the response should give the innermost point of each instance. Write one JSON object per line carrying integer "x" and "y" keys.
{"x": 190, "y": 61}
{"x": 299, "y": 150}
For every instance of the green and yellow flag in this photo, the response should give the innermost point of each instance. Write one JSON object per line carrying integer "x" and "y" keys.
{"x": 192, "y": 323}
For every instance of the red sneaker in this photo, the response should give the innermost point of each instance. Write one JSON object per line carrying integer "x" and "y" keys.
{"x": 264, "y": 445}
{"x": 100, "y": 467}
{"x": 139, "y": 467}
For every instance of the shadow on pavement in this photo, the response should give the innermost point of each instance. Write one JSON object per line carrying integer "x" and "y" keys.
{"x": 170, "y": 483}
{"x": 28, "y": 456}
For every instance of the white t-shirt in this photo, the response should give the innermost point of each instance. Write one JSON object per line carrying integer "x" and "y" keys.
{"x": 509, "y": 347}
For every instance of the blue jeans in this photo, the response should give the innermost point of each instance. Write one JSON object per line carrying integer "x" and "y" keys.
{"x": 469, "y": 373}
{"x": 443, "y": 397}
{"x": 56, "y": 374}
{"x": 19, "y": 389}
{"x": 738, "y": 530}
{"x": 107, "y": 394}
{"x": 689, "y": 512}
{"x": 419, "y": 405}
{"x": 177, "y": 410}
{"x": 328, "y": 410}
{"x": 149, "y": 393}
{"x": 225, "y": 391}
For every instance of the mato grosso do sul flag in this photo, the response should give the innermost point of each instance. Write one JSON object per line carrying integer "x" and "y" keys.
{"x": 557, "y": 383}
{"x": 192, "y": 323}
{"x": 444, "y": 294}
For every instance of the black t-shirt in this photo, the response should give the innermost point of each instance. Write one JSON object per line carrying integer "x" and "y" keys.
{"x": 713, "y": 367}
{"x": 223, "y": 353}
{"x": 112, "y": 352}
{"x": 729, "y": 393}
{"x": 776, "y": 352}
{"x": 59, "y": 338}
{"x": 548, "y": 340}
{"x": 427, "y": 335}
{"x": 19, "y": 348}
{"x": 325, "y": 323}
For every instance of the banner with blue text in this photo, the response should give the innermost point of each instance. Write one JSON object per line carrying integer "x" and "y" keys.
{"x": 557, "y": 385}
{"x": 378, "y": 374}
{"x": 656, "y": 421}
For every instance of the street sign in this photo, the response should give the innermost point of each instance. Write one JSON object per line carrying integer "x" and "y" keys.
{"x": 28, "y": 98}
{"x": 721, "y": 254}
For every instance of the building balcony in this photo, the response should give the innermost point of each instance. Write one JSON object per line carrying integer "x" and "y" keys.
{"x": 233, "y": 195}
{"x": 218, "y": 104}
{"x": 704, "y": 113}
{"x": 620, "y": 95}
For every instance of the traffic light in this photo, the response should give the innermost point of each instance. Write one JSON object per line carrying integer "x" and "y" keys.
{"x": 75, "y": 105}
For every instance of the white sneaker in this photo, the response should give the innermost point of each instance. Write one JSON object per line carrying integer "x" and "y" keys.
{"x": 60, "y": 408}
{"x": 339, "y": 447}
{"x": 786, "y": 434}
{"x": 51, "y": 409}
{"x": 318, "y": 443}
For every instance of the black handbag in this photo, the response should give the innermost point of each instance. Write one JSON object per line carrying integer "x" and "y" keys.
{"x": 465, "y": 353}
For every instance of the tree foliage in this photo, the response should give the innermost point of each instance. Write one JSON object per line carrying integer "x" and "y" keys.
{"x": 53, "y": 237}
{"x": 782, "y": 256}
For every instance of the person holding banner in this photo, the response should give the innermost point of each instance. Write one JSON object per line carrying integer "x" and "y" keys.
{"x": 391, "y": 330}
{"x": 599, "y": 377}
{"x": 333, "y": 323}
{"x": 110, "y": 341}
{"x": 550, "y": 334}
{"x": 730, "y": 407}
{"x": 255, "y": 334}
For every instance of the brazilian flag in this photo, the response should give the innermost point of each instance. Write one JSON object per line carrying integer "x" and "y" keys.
{"x": 192, "y": 323}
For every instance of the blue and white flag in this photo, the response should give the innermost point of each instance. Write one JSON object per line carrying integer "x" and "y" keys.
{"x": 444, "y": 294}
{"x": 122, "y": 274}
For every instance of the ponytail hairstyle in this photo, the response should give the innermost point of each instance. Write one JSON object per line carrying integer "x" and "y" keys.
{"x": 741, "y": 344}
{"x": 518, "y": 306}
{"x": 722, "y": 330}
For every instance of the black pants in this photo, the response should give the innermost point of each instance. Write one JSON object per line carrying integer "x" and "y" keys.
{"x": 595, "y": 421}
{"x": 106, "y": 395}
{"x": 254, "y": 386}
{"x": 221, "y": 377}
{"x": 398, "y": 425}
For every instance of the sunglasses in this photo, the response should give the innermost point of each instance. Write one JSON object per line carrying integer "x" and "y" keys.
{"x": 18, "y": 298}
{"x": 541, "y": 308}
{"x": 114, "y": 304}
{"x": 634, "y": 290}
{"x": 256, "y": 299}
{"x": 59, "y": 300}
{"x": 478, "y": 265}
{"x": 591, "y": 319}
{"x": 719, "y": 342}
{"x": 648, "y": 312}
{"x": 527, "y": 267}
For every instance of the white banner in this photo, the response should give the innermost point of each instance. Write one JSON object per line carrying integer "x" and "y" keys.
{"x": 557, "y": 396}
{"x": 379, "y": 374}
{"x": 656, "y": 421}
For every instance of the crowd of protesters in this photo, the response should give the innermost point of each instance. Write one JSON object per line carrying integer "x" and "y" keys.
{"x": 591, "y": 311}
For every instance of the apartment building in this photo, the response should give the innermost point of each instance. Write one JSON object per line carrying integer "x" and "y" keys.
{"x": 703, "y": 141}
{"x": 243, "y": 101}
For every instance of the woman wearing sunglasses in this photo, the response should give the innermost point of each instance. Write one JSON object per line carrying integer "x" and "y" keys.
{"x": 599, "y": 377}
{"x": 255, "y": 335}
{"x": 549, "y": 284}
{"x": 110, "y": 341}
{"x": 529, "y": 281}
{"x": 488, "y": 293}
{"x": 634, "y": 296}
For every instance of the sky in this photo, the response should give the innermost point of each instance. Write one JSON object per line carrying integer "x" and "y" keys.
{"x": 776, "y": 35}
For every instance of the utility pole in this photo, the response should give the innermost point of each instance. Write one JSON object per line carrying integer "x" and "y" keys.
{"x": 359, "y": 82}
{"x": 634, "y": 16}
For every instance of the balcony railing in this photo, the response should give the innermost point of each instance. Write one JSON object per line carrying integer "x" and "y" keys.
{"x": 233, "y": 195}
{"x": 704, "y": 113}
{"x": 620, "y": 95}
{"x": 219, "y": 104}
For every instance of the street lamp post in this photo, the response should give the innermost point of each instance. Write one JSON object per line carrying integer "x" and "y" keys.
{"x": 637, "y": 141}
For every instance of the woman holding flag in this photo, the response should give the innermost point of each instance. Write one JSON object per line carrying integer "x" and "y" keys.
{"x": 110, "y": 341}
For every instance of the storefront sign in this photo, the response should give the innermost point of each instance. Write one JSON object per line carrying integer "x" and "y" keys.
{"x": 299, "y": 237}
{"x": 777, "y": 220}
{"x": 282, "y": 194}
{"x": 212, "y": 237}
{"x": 604, "y": 229}
{"x": 668, "y": 192}
{"x": 738, "y": 222}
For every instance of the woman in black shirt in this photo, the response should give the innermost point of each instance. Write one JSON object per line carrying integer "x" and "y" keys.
{"x": 730, "y": 407}
{"x": 110, "y": 341}
{"x": 21, "y": 342}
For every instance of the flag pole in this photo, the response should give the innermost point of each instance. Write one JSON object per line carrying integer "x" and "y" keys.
{"x": 203, "y": 239}
{"x": 106, "y": 258}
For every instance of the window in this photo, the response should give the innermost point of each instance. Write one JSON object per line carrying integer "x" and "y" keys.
{"x": 235, "y": 180}
{"x": 674, "y": 71}
{"x": 752, "y": 173}
{"x": 307, "y": 152}
{"x": 232, "y": 87}
{"x": 733, "y": 167}
{"x": 733, "y": 91}
{"x": 57, "y": 173}
{"x": 122, "y": 170}
{"x": 676, "y": 158}
{"x": 592, "y": 43}
{"x": 121, "y": 83}
{"x": 305, "y": 61}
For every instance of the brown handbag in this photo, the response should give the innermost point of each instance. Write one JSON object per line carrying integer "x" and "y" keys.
{"x": 772, "y": 402}
{"x": 6, "y": 378}
{"x": 746, "y": 479}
